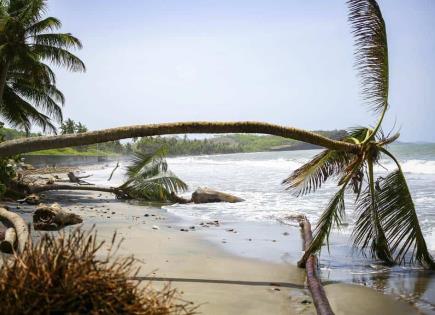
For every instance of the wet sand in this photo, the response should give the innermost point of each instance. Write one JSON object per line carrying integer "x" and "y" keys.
{"x": 219, "y": 281}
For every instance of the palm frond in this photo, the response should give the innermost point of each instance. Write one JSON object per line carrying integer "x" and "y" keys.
{"x": 400, "y": 222}
{"x": 47, "y": 24}
{"x": 368, "y": 232}
{"x": 310, "y": 177}
{"x": 22, "y": 114}
{"x": 45, "y": 97}
{"x": 60, "y": 57}
{"x": 65, "y": 41}
{"x": 333, "y": 216}
{"x": 147, "y": 164}
{"x": 368, "y": 28}
{"x": 148, "y": 177}
{"x": 156, "y": 188}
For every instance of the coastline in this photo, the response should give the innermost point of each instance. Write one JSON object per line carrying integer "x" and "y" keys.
{"x": 153, "y": 236}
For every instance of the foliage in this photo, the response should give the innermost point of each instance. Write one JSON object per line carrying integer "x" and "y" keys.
{"x": 69, "y": 126}
{"x": 28, "y": 93}
{"x": 149, "y": 178}
{"x": 387, "y": 224}
{"x": 231, "y": 143}
{"x": 68, "y": 274}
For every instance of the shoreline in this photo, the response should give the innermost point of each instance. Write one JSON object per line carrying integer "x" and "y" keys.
{"x": 153, "y": 236}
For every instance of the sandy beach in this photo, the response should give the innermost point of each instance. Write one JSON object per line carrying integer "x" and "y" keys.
{"x": 217, "y": 280}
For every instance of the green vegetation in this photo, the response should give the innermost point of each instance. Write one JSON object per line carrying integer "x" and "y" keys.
{"x": 148, "y": 178}
{"x": 231, "y": 143}
{"x": 28, "y": 93}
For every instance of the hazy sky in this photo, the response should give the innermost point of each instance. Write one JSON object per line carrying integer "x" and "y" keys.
{"x": 281, "y": 61}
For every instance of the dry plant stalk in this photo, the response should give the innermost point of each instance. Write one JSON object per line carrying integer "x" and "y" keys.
{"x": 64, "y": 274}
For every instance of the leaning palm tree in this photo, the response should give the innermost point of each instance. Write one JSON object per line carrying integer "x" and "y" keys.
{"x": 148, "y": 178}
{"x": 27, "y": 85}
{"x": 387, "y": 225}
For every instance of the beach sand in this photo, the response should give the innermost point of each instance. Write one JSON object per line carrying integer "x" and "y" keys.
{"x": 245, "y": 285}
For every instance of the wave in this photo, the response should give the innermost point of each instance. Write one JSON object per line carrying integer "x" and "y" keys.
{"x": 270, "y": 163}
{"x": 413, "y": 166}
{"x": 409, "y": 166}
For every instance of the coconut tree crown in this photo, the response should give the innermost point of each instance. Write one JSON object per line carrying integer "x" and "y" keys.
{"x": 387, "y": 225}
{"x": 28, "y": 93}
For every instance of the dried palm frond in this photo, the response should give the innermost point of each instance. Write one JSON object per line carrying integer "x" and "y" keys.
{"x": 67, "y": 274}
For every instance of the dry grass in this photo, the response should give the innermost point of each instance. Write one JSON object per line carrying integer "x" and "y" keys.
{"x": 63, "y": 274}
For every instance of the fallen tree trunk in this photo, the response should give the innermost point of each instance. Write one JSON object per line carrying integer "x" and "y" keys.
{"x": 317, "y": 292}
{"x": 38, "y": 189}
{"x": 16, "y": 221}
{"x": 17, "y": 146}
{"x": 7, "y": 245}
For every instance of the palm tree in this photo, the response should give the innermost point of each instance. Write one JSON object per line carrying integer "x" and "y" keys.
{"x": 387, "y": 224}
{"x": 27, "y": 84}
{"x": 148, "y": 178}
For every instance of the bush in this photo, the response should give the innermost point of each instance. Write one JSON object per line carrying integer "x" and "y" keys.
{"x": 62, "y": 275}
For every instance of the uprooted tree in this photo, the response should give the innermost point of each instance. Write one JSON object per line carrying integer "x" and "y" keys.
{"x": 387, "y": 225}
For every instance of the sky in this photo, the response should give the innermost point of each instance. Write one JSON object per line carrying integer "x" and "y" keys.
{"x": 287, "y": 62}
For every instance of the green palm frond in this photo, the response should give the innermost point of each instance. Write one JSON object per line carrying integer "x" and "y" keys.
{"x": 368, "y": 28}
{"x": 58, "y": 56}
{"x": 21, "y": 114}
{"x": 400, "y": 221}
{"x": 148, "y": 177}
{"x": 333, "y": 216}
{"x": 148, "y": 164}
{"x": 64, "y": 41}
{"x": 310, "y": 177}
{"x": 368, "y": 232}
{"x": 47, "y": 98}
{"x": 47, "y": 24}
{"x": 156, "y": 188}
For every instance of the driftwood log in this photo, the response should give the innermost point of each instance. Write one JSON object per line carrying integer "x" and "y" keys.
{"x": 11, "y": 219}
{"x": 53, "y": 218}
{"x": 314, "y": 285}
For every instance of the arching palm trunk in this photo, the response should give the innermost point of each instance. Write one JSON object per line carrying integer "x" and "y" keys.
{"x": 18, "y": 146}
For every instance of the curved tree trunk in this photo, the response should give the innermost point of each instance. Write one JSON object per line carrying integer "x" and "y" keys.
{"x": 23, "y": 145}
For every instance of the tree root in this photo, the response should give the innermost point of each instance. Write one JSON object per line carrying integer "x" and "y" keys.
{"x": 11, "y": 219}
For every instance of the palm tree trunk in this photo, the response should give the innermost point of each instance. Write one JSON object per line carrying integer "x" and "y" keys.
{"x": 18, "y": 146}
{"x": 3, "y": 76}
{"x": 38, "y": 189}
